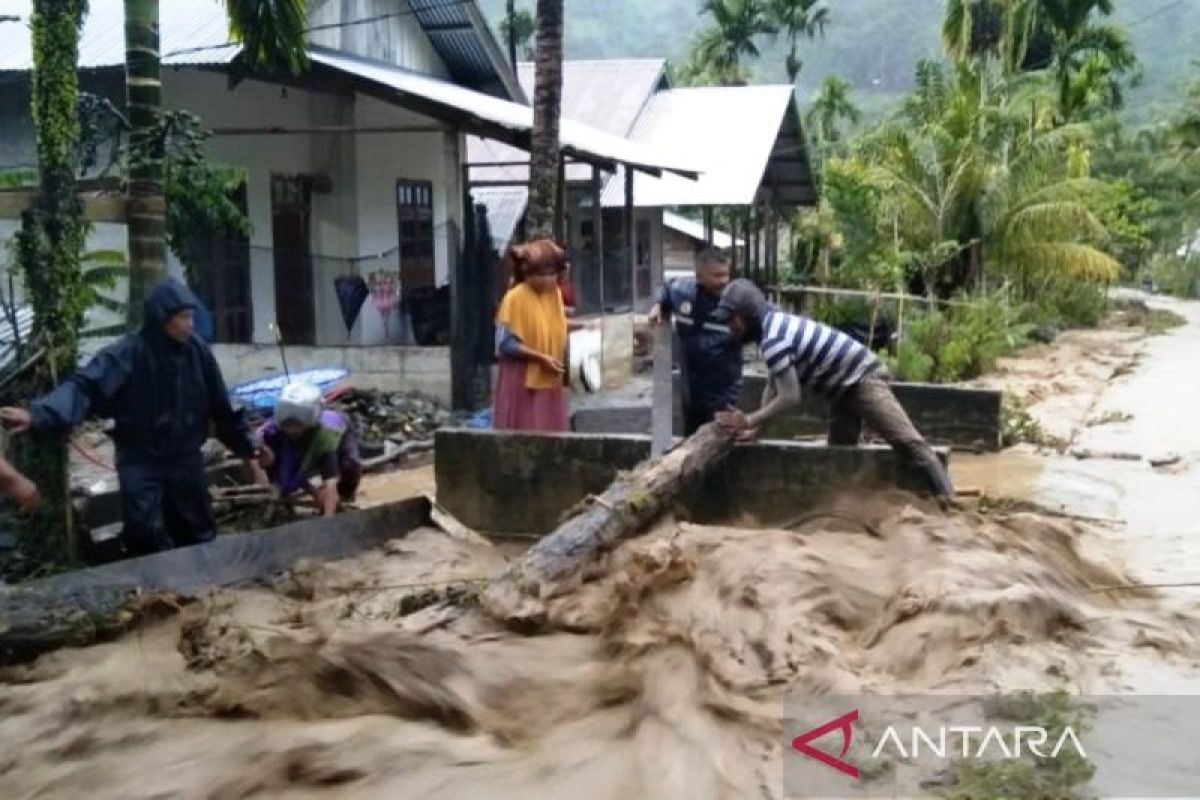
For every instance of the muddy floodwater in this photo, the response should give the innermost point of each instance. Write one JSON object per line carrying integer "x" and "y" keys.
{"x": 666, "y": 674}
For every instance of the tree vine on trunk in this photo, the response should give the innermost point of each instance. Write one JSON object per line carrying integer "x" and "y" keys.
{"x": 547, "y": 106}
{"x": 146, "y": 221}
{"x": 49, "y": 246}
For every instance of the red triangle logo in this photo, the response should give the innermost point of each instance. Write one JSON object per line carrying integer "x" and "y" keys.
{"x": 801, "y": 743}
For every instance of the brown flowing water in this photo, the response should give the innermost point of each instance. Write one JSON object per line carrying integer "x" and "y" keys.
{"x": 662, "y": 677}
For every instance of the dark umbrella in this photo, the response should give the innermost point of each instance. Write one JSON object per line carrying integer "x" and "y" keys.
{"x": 352, "y": 292}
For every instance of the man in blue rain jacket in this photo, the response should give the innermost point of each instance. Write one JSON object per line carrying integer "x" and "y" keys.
{"x": 164, "y": 390}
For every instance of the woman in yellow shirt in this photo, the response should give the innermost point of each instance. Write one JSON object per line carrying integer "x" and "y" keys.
{"x": 531, "y": 342}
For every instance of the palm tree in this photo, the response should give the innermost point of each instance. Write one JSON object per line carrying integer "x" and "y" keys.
{"x": 699, "y": 68}
{"x": 1038, "y": 225}
{"x": 736, "y": 26}
{"x": 272, "y": 34}
{"x": 797, "y": 18}
{"x": 547, "y": 107}
{"x": 831, "y": 106}
{"x": 988, "y": 28}
{"x": 48, "y": 249}
{"x": 967, "y": 179}
{"x": 516, "y": 29}
{"x": 1076, "y": 43}
{"x": 1086, "y": 59}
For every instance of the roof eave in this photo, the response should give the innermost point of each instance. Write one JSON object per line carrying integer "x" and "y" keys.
{"x": 504, "y": 71}
{"x": 468, "y": 122}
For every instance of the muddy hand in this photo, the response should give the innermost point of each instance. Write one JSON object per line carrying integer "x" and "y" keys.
{"x": 553, "y": 364}
{"x": 17, "y": 420}
{"x": 733, "y": 420}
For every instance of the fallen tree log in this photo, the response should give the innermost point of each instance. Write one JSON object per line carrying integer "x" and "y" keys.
{"x": 554, "y": 566}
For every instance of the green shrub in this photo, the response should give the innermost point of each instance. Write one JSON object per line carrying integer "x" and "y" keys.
{"x": 961, "y": 343}
{"x": 1070, "y": 304}
{"x": 954, "y": 360}
{"x": 1175, "y": 275}
{"x": 911, "y": 363}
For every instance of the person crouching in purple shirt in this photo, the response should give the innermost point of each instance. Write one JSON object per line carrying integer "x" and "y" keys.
{"x": 305, "y": 440}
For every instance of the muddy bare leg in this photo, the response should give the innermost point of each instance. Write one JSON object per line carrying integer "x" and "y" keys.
{"x": 873, "y": 402}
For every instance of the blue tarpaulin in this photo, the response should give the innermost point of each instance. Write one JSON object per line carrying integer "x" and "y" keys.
{"x": 261, "y": 394}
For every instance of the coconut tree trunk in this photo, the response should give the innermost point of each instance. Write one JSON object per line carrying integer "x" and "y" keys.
{"x": 147, "y": 207}
{"x": 547, "y": 106}
{"x": 48, "y": 249}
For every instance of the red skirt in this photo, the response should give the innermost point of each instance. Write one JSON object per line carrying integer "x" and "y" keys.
{"x": 517, "y": 408}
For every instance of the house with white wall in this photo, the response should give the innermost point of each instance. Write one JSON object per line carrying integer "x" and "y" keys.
{"x": 355, "y": 168}
{"x": 746, "y": 140}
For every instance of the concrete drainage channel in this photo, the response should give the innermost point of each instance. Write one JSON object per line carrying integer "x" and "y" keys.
{"x": 504, "y": 483}
{"x": 88, "y": 605}
{"x": 952, "y": 416}
{"x": 495, "y": 483}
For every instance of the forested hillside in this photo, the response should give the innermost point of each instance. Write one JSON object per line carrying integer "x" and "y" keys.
{"x": 873, "y": 44}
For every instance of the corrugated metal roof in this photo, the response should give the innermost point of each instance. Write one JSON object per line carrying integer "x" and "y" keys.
{"x": 505, "y": 207}
{"x": 196, "y": 32}
{"x": 492, "y": 117}
{"x": 607, "y": 94}
{"x": 8, "y": 342}
{"x": 464, "y": 40}
{"x": 731, "y": 131}
{"x": 88, "y": 346}
{"x": 190, "y": 32}
{"x": 695, "y": 230}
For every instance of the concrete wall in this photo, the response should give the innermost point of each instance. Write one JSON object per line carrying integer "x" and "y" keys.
{"x": 506, "y": 483}
{"x": 945, "y": 415}
{"x": 411, "y": 369}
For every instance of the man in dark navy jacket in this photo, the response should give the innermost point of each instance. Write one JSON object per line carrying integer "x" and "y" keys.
{"x": 163, "y": 389}
{"x": 710, "y": 356}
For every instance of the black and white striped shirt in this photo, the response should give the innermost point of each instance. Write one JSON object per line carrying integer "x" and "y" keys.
{"x": 826, "y": 359}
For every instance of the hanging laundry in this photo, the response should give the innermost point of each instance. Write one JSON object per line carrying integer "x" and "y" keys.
{"x": 385, "y": 291}
{"x": 352, "y": 292}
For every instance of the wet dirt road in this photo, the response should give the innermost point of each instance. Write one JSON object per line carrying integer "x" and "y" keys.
{"x": 1133, "y": 459}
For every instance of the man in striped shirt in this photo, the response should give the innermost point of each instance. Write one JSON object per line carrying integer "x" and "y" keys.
{"x": 802, "y": 352}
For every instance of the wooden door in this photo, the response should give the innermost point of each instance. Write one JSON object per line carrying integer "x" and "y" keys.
{"x": 414, "y": 212}
{"x": 291, "y": 220}
{"x": 223, "y": 280}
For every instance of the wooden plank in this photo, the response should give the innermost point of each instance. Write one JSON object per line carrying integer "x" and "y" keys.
{"x": 800, "y": 291}
{"x": 96, "y": 208}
